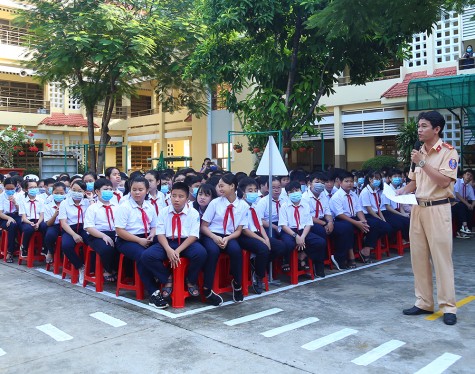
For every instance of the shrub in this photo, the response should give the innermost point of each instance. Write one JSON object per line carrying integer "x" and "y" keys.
{"x": 377, "y": 163}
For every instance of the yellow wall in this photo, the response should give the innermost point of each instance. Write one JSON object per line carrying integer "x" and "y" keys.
{"x": 198, "y": 141}
{"x": 358, "y": 151}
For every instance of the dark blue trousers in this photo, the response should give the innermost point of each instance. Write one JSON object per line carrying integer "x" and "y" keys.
{"x": 398, "y": 223}
{"x": 108, "y": 254}
{"x": 315, "y": 246}
{"x": 342, "y": 236}
{"x": 233, "y": 249}
{"x": 377, "y": 229}
{"x": 12, "y": 230}
{"x": 52, "y": 234}
{"x": 68, "y": 244}
{"x": 28, "y": 232}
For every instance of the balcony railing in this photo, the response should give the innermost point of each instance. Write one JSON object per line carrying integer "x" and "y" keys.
{"x": 466, "y": 63}
{"x": 385, "y": 74}
{"x": 119, "y": 113}
{"x": 16, "y": 104}
{"x": 12, "y": 35}
{"x": 146, "y": 112}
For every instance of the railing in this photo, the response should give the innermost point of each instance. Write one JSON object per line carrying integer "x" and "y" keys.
{"x": 146, "y": 112}
{"x": 16, "y": 104}
{"x": 12, "y": 35}
{"x": 385, "y": 74}
{"x": 119, "y": 113}
{"x": 466, "y": 63}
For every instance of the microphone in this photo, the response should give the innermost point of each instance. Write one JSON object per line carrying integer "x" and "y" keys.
{"x": 417, "y": 146}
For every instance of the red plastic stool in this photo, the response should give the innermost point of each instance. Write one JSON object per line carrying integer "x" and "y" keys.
{"x": 34, "y": 250}
{"x": 180, "y": 291}
{"x": 2, "y": 255}
{"x": 98, "y": 276}
{"x": 294, "y": 269}
{"x": 247, "y": 273}
{"x": 379, "y": 249}
{"x": 4, "y": 245}
{"x": 222, "y": 278}
{"x": 400, "y": 246}
{"x": 56, "y": 258}
{"x": 330, "y": 248}
{"x": 124, "y": 283}
{"x": 68, "y": 268}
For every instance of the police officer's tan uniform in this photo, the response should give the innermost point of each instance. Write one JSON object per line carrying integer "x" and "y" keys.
{"x": 431, "y": 230}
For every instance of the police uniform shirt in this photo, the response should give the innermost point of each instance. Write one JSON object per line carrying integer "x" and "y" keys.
{"x": 32, "y": 208}
{"x": 443, "y": 158}
{"x": 190, "y": 222}
{"x": 70, "y": 212}
{"x": 129, "y": 217}
{"x": 5, "y": 205}
{"x": 215, "y": 213}
{"x": 367, "y": 198}
{"x": 287, "y": 216}
{"x": 339, "y": 203}
{"x": 101, "y": 218}
{"x": 323, "y": 207}
{"x": 262, "y": 207}
{"x": 50, "y": 209}
{"x": 464, "y": 190}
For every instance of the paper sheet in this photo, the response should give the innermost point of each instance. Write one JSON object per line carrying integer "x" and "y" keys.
{"x": 401, "y": 199}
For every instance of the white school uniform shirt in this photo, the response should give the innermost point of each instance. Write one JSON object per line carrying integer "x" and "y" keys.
{"x": 5, "y": 205}
{"x": 31, "y": 208}
{"x": 339, "y": 203}
{"x": 262, "y": 207}
{"x": 117, "y": 198}
{"x": 216, "y": 210}
{"x": 96, "y": 216}
{"x": 190, "y": 222}
{"x": 129, "y": 217}
{"x": 385, "y": 201}
{"x": 168, "y": 198}
{"x": 42, "y": 196}
{"x": 50, "y": 209}
{"x": 69, "y": 211}
{"x": 465, "y": 190}
{"x": 325, "y": 195}
{"x": 367, "y": 198}
{"x": 159, "y": 200}
{"x": 249, "y": 222}
{"x": 323, "y": 208}
{"x": 49, "y": 199}
{"x": 287, "y": 216}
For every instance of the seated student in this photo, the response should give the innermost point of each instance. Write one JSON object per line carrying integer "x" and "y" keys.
{"x": 155, "y": 196}
{"x": 135, "y": 225}
{"x": 100, "y": 225}
{"x": 462, "y": 210}
{"x": 66, "y": 181}
{"x": 32, "y": 215}
{"x": 166, "y": 184}
{"x": 90, "y": 178}
{"x": 10, "y": 220}
{"x": 284, "y": 181}
{"x": 52, "y": 220}
{"x": 358, "y": 185}
{"x": 392, "y": 211}
{"x": 122, "y": 183}
{"x": 263, "y": 183}
{"x": 194, "y": 183}
{"x": 341, "y": 232}
{"x": 330, "y": 188}
{"x": 41, "y": 189}
{"x": 301, "y": 177}
{"x": 71, "y": 218}
{"x": 296, "y": 223}
{"x": 206, "y": 193}
{"x": 113, "y": 174}
{"x": 178, "y": 230}
{"x": 255, "y": 239}
{"x": 370, "y": 202}
{"x": 179, "y": 176}
{"x": 47, "y": 197}
{"x": 262, "y": 209}
{"x": 221, "y": 226}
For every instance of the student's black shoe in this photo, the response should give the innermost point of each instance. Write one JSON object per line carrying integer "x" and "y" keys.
{"x": 450, "y": 318}
{"x": 213, "y": 298}
{"x": 157, "y": 300}
{"x": 320, "y": 270}
{"x": 335, "y": 262}
{"x": 44, "y": 252}
{"x": 238, "y": 297}
{"x": 415, "y": 311}
{"x": 24, "y": 252}
{"x": 258, "y": 285}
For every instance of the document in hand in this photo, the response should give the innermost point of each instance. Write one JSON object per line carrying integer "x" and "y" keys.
{"x": 401, "y": 199}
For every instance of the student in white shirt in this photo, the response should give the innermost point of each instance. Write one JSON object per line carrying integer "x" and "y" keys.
{"x": 49, "y": 182}
{"x": 206, "y": 193}
{"x": 10, "y": 220}
{"x": 463, "y": 208}
{"x": 113, "y": 174}
{"x": 99, "y": 223}
{"x": 193, "y": 182}
{"x": 32, "y": 215}
{"x": 178, "y": 230}
{"x": 166, "y": 185}
{"x": 135, "y": 224}
{"x": 71, "y": 217}
{"x": 296, "y": 223}
{"x": 52, "y": 220}
{"x": 90, "y": 178}
{"x": 155, "y": 196}
{"x": 330, "y": 188}
{"x": 221, "y": 225}
{"x": 262, "y": 209}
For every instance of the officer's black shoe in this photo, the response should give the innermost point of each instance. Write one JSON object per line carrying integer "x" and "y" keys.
{"x": 415, "y": 311}
{"x": 450, "y": 318}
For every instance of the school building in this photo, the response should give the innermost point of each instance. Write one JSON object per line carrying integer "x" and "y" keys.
{"x": 361, "y": 122}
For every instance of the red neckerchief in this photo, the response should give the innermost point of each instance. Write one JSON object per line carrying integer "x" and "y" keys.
{"x": 375, "y": 195}
{"x": 117, "y": 195}
{"x": 176, "y": 224}
{"x": 464, "y": 193}
{"x": 255, "y": 219}
{"x": 350, "y": 203}
{"x": 297, "y": 216}
{"x": 277, "y": 206}
{"x": 109, "y": 215}
{"x": 144, "y": 220}
{"x": 154, "y": 203}
{"x": 229, "y": 212}
{"x": 32, "y": 205}
{"x": 80, "y": 216}
{"x": 318, "y": 206}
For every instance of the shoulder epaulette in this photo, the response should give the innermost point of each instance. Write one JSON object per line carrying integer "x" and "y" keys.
{"x": 447, "y": 145}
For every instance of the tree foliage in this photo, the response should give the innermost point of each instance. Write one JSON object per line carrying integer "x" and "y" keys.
{"x": 406, "y": 139}
{"x": 281, "y": 56}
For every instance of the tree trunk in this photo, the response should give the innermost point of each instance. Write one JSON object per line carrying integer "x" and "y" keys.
{"x": 90, "y": 133}
{"x": 105, "y": 137}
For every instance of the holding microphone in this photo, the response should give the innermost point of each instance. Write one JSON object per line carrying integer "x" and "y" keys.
{"x": 417, "y": 147}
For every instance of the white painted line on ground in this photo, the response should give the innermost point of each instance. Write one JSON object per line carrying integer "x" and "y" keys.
{"x": 2, "y": 352}
{"x": 289, "y": 327}
{"x": 440, "y": 364}
{"x": 253, "y": 317}
{"x": 114, "y": 322}
{"x": 209, "y": 307}
{"x": 332, "y": 338}
{"x": 54, "y": 332}
{"x": 378, "y": 352}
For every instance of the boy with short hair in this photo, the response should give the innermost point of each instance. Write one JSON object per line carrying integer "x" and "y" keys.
{"x": 462, "y": 210}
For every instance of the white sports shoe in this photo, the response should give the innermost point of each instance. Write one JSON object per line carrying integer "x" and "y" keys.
{"x": 466, "y": 230}
{"x": 462, "y": 235}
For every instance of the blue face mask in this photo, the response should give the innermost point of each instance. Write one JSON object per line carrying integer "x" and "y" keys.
{"x": 106, "y": 195}
{"x": 251, "y": 197}
{"x": 10, "y": 192}
{"x": 2, "y": 187}
{"x": 90, "y": 186}
{"x": 318, "y": 188}
{"x": 376, "y": 183}
{"x": 165, "y": 188}
{"x": 303, "y": 187}
{"x": 33, "y": 191}
{"x": 397, "y": 181}
{"x": 42, "y": 190}
{"x": 66, "y": 190}
{"x": 50, "y": 190}
{"x": 469, "y": 50}
{"x": 295, "y": 197}
{"x": 194, "y": 192}
{"x": 58, "y": 198}
{"x": 360, "y": 181}
{"x": 121, "y": 189}
{"x": 77, "y": 195}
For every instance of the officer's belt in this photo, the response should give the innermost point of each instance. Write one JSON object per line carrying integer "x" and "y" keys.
{"x": 434, "y": 202}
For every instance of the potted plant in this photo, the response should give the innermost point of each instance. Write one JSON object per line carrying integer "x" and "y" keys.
{"x": 286, "y": 148}
{"x": 13, "y": 139}
{"x": 237, "y": 147}
{"x": 256, "y": 150}
{"x": 310, "y": 147}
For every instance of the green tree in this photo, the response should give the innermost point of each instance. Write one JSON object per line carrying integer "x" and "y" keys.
{"x": 406, "y": 139}
{"x": 101, "y": 49}
{"x": 286, "y": 54}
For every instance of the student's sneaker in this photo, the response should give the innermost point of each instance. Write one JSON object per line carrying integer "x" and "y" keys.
{"x": 320, "y": 270}
{"x": 335, "y": 262}
{"x": 466, "y": 230}
{"x": 462, "y": 235}
{"x": 258, "y": 285}
{"x": 157, "y": 300}
{"x": 238, "y": 297}
{"x": 214, "y": 299}
{"x": 81, "y": 275}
